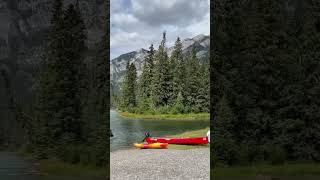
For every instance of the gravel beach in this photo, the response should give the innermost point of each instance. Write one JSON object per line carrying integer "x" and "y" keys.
{"x": 161, "y": 164}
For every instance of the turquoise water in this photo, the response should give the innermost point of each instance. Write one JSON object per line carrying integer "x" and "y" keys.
{"x": 129, "y": 131}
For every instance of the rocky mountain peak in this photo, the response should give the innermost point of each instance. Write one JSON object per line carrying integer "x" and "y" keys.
{"x": 118, "y": 65}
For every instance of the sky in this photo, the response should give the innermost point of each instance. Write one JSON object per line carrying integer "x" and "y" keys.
{"x": 136, "y": 24}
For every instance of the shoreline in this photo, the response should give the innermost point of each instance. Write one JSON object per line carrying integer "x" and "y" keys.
{"x": 192, "y": 133}
{"x": 53, "y": 168}
{"x": 182, "y": 117}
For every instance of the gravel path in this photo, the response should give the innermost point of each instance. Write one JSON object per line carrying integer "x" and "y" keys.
{"x": 161, "y": 164}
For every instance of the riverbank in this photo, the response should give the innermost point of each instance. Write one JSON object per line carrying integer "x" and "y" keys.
{"x": 160, "y": 164}
{"x": 53, "y": 169}
{"x": 58, "y": 168}
{"x": 191, "y": 116}
{"x": 290, "y": 171}
{"x": 13, "y": 167}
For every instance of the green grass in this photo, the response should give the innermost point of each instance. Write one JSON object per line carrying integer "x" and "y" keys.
{"x": 55, "y": 167}
{"x": 265, "y": 172}
{"x": 195, "y": 133}
{"x": 191, "y": 116}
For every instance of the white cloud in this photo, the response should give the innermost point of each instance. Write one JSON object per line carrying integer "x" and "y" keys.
{"x": 201, "y": 27}
{"x": 123, "y": 20}
{"x": 136, "y": 24}
{"x": 164, "y": 12}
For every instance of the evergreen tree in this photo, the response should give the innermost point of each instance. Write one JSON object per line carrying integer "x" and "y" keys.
{"x": 203, "y": 98}
{"x": 161, "y": 84}
{"x": 192, "y": 83}
{"x": 145, "y": 81}
{"x": 132, "y": 85}
{"x": 99, "y": 136}
{"x": 129, "y": 88}
{"x": 59, "y": 100}
{"x": 126, "y": 88}
{"x": 177, "y": 70}
{"x": 223, "y": 137}
{"x": 48, "y": 127}
{"x": 70, "y": 74}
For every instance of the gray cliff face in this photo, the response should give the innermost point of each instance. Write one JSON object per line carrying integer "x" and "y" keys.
{"x": 23, "y": 32}
{"x": 118, "y": 65}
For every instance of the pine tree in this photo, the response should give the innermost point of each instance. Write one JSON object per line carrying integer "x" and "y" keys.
{"x": 192, "y": 82}
{"x": 49, "y": 127}
{"x": 223, "y": 134}
{"x": 132, "y": 85}
{"x": 126, "y": 88}
{"x": 70, "y": 74}
{"x": 129, "y": 88}
{"x": 99, "y": 137}
{"x": 145, "y": 81}
{"x": 177, "y": 70}
{"x": 203, "y": 97}
{"x": 161, "y": 89}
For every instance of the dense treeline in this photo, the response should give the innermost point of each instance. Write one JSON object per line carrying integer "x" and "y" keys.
{"x": 266, "y": 81}
{"x": 175, "y": 84}
{"x": 72, "y": 104}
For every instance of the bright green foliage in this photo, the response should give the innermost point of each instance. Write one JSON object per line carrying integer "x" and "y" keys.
{"x": 178, "y": 107}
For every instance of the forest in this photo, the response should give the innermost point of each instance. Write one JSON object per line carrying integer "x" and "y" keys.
{"x": 67, "y": 118}
{"x": 178, "y": 84}
{"x": 265, "y": 75}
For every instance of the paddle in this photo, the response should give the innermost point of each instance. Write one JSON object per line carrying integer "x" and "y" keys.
{"x": 147, "y": 134}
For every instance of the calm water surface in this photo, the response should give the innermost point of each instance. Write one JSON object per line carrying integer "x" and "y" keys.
{"x": 129, "y": 131}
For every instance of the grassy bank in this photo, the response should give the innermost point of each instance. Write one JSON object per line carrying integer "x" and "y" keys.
{"x": 258, "y": 172}
{"x": 56, "y": 168}
{"x": 191, "y": 116}
{"x": 195, "y": 133}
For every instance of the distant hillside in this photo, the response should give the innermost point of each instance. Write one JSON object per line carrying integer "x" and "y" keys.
{"x": 118, "y": 65}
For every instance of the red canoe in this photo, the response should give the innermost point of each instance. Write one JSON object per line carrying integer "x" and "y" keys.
{"x": 185, "y": 141}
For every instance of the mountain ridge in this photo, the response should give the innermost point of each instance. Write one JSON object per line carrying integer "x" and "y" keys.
{"x": 118, "y": 64}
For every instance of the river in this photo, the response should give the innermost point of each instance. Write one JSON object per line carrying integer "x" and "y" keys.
{"x": 129, "y": 131}
{"x": 15, "y": 167}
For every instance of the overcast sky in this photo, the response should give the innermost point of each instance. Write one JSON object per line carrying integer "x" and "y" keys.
{"x": 136, "y": 24}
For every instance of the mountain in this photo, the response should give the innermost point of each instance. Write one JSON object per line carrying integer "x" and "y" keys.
{"x": 118, "y": 65}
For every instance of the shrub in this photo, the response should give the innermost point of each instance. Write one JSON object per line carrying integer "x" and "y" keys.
{"x": 164, "y": 110}
{"x": 177, "y": 109}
